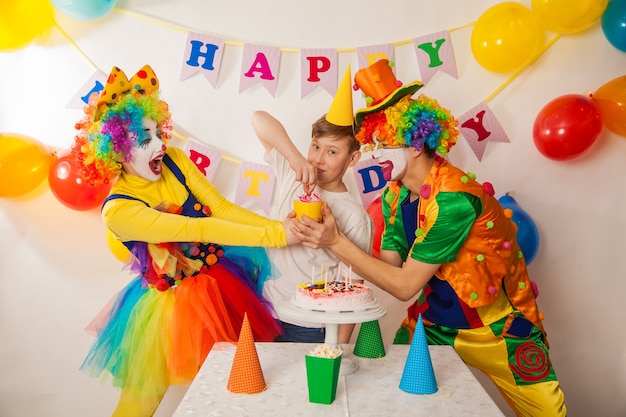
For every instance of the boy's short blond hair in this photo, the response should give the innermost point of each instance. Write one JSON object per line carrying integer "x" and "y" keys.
{"x": 323, "y": 127}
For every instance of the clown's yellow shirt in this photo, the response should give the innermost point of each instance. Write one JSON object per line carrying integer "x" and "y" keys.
{"x": 227, "y": 224}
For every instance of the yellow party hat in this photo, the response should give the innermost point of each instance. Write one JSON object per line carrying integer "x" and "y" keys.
{"x": 341, "y": 112}
{"x": 246, "y": 375}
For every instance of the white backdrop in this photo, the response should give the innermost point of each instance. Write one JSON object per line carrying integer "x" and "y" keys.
{"x": 57, "y": 270}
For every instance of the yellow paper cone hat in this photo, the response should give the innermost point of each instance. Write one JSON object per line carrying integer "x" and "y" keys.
{"x": 341, "y": 112}
{"x": 246, "y": 375}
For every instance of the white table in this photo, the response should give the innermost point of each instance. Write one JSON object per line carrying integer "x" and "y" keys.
{"x": 371, "y": 391}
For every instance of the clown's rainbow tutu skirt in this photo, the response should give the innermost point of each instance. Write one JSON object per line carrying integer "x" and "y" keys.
{"x": 154, "y": 336}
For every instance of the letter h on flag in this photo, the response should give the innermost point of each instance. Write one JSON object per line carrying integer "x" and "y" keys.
{"x": 202, "y": 53}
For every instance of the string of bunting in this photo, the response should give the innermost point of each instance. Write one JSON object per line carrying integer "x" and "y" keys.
{"x": 319, "y": 68}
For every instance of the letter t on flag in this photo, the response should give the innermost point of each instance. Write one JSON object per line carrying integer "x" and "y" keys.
{"x": 255, "y": 182}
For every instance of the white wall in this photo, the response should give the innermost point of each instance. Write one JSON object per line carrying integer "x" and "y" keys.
{"x": 57, "y": 271}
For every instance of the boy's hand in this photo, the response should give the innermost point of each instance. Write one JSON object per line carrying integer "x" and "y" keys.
{"x": 317, "y": 235}
{"x": 306, "y": 174}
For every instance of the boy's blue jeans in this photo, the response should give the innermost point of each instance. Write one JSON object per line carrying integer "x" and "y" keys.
{"x": 299, "y": 334}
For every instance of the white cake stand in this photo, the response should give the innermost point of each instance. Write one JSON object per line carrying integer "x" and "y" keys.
{"x": 332, "y": 318}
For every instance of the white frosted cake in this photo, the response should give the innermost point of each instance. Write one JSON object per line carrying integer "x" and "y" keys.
{"x": 333, "y": 295}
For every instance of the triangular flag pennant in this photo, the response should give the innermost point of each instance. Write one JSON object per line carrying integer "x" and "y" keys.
{"x": 369, "y": 342}
{"x": 255, "y": 183}
{"x": 418, "y": 376}
{"x": 434, "y": 53}
{"x": 246, "y": 375}
{"x": 478, "y": 126}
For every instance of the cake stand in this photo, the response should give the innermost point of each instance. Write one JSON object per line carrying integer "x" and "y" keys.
{"x": 332, "y": 318}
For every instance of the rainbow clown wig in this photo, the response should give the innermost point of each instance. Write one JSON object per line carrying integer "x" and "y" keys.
{"x": 420, "y": 123}
{"x": 114, "y": 120}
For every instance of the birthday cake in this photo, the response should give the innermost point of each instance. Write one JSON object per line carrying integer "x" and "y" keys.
{"x": 335, "y": 295}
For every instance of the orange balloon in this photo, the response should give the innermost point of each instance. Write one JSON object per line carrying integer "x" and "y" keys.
{"x": 610, "y": 99}
{"x": 24, "y": 164}
{"x": 116, "y": 247}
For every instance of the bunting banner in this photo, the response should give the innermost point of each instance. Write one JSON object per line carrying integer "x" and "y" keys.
{"x": 203, "y": 53}
{"x": 255, "y": 183}
{"x": 318, "y": 67}
{"x": 260, "y": 64}
{"x": 478, "y": 126}
{"x": 369, "y": 179}
{"x": 206, "y": 159}
{"x": 367, "y": 55}
{"x": 94, "y": 84}
{"x": 434, "y": 53}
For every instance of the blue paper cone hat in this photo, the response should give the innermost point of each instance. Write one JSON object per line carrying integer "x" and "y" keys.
{"x": 369, "y": 342}
{"x": 418, "y": 376}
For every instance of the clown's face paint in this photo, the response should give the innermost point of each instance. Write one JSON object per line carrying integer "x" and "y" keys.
{"x": 393, "y": 161}
{"x": 147, "y": 153}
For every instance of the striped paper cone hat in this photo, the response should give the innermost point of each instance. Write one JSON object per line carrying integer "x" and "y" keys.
{"x": 246, "y": 375}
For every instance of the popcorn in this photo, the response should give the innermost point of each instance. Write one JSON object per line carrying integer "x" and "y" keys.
{"x": 326, "y": 351}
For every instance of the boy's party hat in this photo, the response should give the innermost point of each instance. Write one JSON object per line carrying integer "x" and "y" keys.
{"x": 246, "y": 375}
{"x": 418, "y": 376}
{"x": 341, "y": 112}
{"x": 369, "y": 342}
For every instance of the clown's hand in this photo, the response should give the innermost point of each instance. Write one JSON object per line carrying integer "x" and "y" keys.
{"x": 288, "y": 224}
{"x": 318, "y": 235}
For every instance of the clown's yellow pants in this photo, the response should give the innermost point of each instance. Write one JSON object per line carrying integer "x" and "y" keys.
{"x": 519, "y": 365}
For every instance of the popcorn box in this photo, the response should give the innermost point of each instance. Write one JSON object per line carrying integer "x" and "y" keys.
{"x": 322, "y": 377}
{"x": 312, "y": 209}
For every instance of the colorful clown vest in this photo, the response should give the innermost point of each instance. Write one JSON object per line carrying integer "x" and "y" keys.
{"x": 488, "y": 260}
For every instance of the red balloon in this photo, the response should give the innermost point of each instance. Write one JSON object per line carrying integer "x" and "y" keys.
{"x": 566, "y": 127}
{"x": 73, "y": 191}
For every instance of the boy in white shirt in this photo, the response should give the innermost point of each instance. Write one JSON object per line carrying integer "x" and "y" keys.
{"x": 332, "y": 151}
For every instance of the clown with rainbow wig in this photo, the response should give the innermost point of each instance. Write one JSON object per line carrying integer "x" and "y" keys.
{"x": 197, "y": 257}
{"x": 447, "y": 244}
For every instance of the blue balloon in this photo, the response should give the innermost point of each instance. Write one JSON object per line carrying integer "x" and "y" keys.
{"x": 527, "y": 233}
{"x": 84, "y": 9}
{"x": 614, "y": 23}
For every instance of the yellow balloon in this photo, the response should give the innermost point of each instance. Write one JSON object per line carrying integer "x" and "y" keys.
{"x": 24, "y": 164}
{"x": 568, "y": 16}
{"x": 505, "y": 37}
{"x": 22, "y": 21}
{"x": 116, "y": 247}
